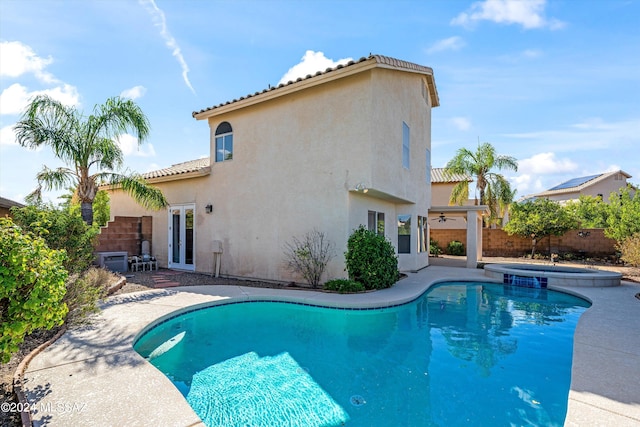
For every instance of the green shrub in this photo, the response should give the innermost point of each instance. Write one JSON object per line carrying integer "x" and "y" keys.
{"x": 434, "y": 249}
{"x": 344, "y": 286}
{"x": 61, "y": 229}
{"x": 371, "y": 259}
{"x": 32, "y": 286}
{"x": 455, "y": 248}
{"x": 630, "y": 250}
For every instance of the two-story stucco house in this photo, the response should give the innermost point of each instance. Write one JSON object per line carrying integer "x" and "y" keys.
{"x": 347, "y": 146}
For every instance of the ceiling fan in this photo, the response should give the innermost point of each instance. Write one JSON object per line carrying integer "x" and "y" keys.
{"x": 442, "y": 218}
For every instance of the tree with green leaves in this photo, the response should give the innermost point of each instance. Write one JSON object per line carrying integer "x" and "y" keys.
{"x": 493, "y": 188}
{"x": 623, "y": 218}
{"x": 590, "y": 212}
{"x": 88, "y": 147}
{"x": 538, "y": 219}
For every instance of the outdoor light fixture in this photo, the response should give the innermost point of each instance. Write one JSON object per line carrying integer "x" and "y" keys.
{"x": 209, "y": 208}
{"x": 361, "y": 188}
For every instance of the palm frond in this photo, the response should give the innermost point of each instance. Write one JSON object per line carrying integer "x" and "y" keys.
{"x": 117, "y": 116}
{"x": 146, "y": 195}
{"x": 459, "y": 194}
{"x": 106, "y": 154}
{"x": 56, "y": 179}
{"x": 46, "y": 122}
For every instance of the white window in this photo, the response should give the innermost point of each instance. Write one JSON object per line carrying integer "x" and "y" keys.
{"x": 375, "y": 222}
{"x": 224, "y": 142}
{"x": 405, "y": 145}
{"x": 404, "y": 234}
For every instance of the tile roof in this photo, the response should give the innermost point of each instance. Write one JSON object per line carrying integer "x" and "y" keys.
{"x": 383, "y": 61}
{"x": 198, "y": 165}
{"x": 438, "y": 175}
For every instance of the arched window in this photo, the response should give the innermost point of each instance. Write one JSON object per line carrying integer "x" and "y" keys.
{"x": 224, "y": 142}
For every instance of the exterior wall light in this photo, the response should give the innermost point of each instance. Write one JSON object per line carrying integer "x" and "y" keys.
{"x": 209, "y": 208}
{"x": 361, "y": 188}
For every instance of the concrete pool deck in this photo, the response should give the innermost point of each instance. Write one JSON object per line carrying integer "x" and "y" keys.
{"x": 92, "y": 376}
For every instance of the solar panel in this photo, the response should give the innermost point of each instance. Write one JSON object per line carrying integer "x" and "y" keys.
{"x": 575, "y": 182}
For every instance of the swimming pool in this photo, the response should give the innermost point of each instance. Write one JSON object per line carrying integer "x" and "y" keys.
{"x": 461, "y": 354}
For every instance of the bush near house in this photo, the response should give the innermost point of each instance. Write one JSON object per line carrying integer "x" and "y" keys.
{"x": 32, "y": 286}
{"x": 455, "y": 248}
{"x": 64, "y": 229}
{"x": 371, "y": 260}
{"x": 434, "y": 249}
{"x": 309, "y": 256}
{"x": 344, "y": 286}
{"x": 630, "y": 250}
{"x": 61, "y": 229}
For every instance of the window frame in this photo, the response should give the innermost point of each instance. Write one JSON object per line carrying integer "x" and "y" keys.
{"x": 378, "y": 219}
{"x": 223, "y": 140}
{"x": 405, "y": 220}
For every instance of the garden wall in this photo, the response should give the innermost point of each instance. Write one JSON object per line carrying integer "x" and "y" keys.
{"x": 496, "y": 243}
{"x": 125, "y": 233}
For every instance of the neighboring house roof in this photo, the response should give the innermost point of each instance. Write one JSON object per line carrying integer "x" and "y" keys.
{"x": 578, "y": 184}
{"x": 6, "y": 203}
{"x": 438, "y": 175}
{"x": 319, "y": 77}
{"x": 189, "y": 169}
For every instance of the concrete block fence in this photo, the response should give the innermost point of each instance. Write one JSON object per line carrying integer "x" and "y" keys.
{"x": 497, "y": 243}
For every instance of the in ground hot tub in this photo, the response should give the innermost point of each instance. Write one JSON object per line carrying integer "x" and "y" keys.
{"x": 541, "y": 276}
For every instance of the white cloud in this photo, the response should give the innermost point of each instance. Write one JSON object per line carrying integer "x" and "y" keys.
{"x": 528, "y": 13}
{"x": 526, "y": 184}
{"x": 129, "y": 146}
{"x": 159, "y": 20}
{"x": 451, "y": 43}
{"x": 311, "y": 63}
{"x": 460, "y": 123}
{"x": 8, "y": 136}
{"x": 134, "y": 92}
{"x": 535, "y": 170}
{"x": 546, "y": 163}
{"x": 19, "y": 59}
{"x": 14, "y": 99}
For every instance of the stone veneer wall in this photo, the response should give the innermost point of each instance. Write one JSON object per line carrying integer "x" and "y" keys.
{"x": 496, "y": 242}
{"x": 125, "y": 233}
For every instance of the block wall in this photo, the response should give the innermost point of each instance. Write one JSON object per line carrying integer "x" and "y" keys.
{"x": 496, "y": 243}
{"x": 125, "y": 233}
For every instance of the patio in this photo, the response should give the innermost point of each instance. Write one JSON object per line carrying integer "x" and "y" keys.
{"x": 92, "y": 376}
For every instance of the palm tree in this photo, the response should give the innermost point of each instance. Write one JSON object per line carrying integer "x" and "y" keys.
{"x": 84, "y": 143}
{"x": 495, "y": 191}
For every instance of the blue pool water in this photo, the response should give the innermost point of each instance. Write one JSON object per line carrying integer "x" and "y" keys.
{"x": 468, "y": 354}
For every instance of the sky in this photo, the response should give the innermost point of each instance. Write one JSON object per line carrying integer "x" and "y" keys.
{"x": 553, "y": 83}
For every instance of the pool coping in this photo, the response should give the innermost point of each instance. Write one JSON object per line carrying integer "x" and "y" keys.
{"x": 92, "y": 375}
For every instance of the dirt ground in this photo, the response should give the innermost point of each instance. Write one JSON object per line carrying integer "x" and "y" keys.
{"x": 141, "y": 281}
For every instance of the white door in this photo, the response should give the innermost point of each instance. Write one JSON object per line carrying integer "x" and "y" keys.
{"x": 182, "y": 237}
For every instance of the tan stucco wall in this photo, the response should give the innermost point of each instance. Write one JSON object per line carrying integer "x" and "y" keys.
{"x": 296, "y": 162}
